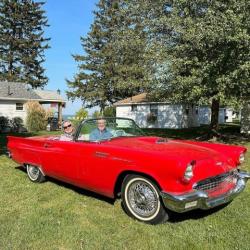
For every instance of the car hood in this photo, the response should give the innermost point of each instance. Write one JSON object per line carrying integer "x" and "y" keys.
{"x": 157, "y": 145}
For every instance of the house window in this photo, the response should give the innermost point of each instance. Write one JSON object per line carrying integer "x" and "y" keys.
{"x": 134, "y": 108}
{"x": 19, "y": 106}
{"x": 154, "y": 109}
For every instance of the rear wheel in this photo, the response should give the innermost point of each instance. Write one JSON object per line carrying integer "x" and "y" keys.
{"x": 141, "y": 200}
{"x": 35, "y": 174}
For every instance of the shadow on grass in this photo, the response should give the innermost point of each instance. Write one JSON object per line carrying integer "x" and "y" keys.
{"x": 194, "y": 214}
{"x": 174, "y": 217}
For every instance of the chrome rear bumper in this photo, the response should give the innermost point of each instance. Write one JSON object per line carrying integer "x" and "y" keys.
{"x": 200, "y": 199}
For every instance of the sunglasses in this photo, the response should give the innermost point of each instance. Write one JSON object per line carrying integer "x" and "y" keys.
{"x": 67, "y": 126}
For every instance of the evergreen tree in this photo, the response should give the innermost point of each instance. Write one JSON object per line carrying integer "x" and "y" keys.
{"x": 22, "y": 41}
{"x": 113, "y": 66}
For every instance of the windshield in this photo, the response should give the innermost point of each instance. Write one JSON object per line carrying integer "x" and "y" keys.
{"x": 107, "y": 128}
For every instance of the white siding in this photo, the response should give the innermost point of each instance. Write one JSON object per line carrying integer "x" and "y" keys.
{"x": 8, "y": 109}
{"x": 169, "y": 116}
{"x": 229, "y": 115}
{"x": 205, "y": 115}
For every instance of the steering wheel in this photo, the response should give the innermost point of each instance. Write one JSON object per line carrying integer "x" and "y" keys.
{"x": 120, "y": 132}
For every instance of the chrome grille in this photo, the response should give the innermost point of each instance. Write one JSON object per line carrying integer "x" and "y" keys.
{"x": 216, "y": 183}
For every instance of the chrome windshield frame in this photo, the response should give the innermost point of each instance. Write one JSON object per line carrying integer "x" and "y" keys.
{"x": 83, "y": 122}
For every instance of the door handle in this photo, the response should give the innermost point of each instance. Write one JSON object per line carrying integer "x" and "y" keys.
{"x": 47, "y": 145}
{"x": 101, "y": 154}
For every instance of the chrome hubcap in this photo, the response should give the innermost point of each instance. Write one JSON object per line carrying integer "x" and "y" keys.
{"x": 143, "y": 199}
{"x": 33, "y": 172}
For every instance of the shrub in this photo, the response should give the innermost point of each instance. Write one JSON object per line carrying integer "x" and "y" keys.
{"x": 4, "y": 122}
{"x": 109, "y": 112}
{"x": 36, "y": 116}
{"x": 81, "y": 114}
{"x": 16, "y": 123}
{"x": 96, "y": 114}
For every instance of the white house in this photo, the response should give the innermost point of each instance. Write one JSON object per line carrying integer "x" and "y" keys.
{"x": 13, "y": 96}
{"x": 226, "y": 114}
{"x": 166, "y": 114}
{"x": 157, "y": 114}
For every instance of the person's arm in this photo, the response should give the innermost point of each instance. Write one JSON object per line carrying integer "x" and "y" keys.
{"x": 110, "y": 135}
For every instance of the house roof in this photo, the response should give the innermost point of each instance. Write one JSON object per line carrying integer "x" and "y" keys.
{"x": 48, "y": 95}
{"x": 22, "y": 91}
{"x": 133, "y": 99}
{"x": 137, "y": 99}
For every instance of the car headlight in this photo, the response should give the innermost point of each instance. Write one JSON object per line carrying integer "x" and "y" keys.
{"x": 242, "y": 158}
{"x": 188, "y": 174}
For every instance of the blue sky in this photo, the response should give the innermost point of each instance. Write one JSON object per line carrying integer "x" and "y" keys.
{"x": 69, "y": 20}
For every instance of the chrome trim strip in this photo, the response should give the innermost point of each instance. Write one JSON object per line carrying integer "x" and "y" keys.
{"x": 177, "y": 202}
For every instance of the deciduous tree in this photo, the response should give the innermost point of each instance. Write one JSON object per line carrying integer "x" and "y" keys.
{"x": 205, "y": 51}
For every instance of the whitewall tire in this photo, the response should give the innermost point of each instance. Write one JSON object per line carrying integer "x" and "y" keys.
{"x": 141, "y": 200}
{"x": 35, "y": 174}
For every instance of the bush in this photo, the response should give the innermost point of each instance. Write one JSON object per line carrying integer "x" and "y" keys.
{"x": 36, "y": 116}
{"x": 81, "y": 114}
{"x": 96, "y": 114}
{"x": 4, "y": 122}
{"x": 16, "y": 123}
{"x": 109, "y": 112}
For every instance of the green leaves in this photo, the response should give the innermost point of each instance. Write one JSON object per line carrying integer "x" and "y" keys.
{"x": 207, "y": 48}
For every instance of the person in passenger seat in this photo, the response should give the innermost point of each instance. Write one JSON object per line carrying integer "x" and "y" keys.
{"x": 68, "y": 130}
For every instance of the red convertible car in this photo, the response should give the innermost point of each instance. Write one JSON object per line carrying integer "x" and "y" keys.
{"x": 152, "y": 175}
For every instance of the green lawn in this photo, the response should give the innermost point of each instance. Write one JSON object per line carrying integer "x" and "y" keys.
{"x": 54, "y": 215}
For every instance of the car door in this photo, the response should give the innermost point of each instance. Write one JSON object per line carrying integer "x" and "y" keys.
{"x": 60, "y": 159}
{"x": 98, "y": 167}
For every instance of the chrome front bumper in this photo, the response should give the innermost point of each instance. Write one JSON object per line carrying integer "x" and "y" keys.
{"x": 200, "y": 200}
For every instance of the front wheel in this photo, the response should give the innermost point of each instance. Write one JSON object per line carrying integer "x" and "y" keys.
{"x": 141, "y": 200}
{"x": 35, "y": 174}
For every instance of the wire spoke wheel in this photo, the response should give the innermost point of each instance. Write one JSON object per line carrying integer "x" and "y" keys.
{"x": 35, "y": 174}
{"x": 141, "y": 200}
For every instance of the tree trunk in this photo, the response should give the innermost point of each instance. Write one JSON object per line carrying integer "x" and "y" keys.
{"x": 214, "y": 125}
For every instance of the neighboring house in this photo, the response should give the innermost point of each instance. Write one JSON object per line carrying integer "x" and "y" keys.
{"x": 245, "y": 118}
{"x": 225, "y": 115}
{"x": 147, "y": 113}
{"x": 13, "y": 96}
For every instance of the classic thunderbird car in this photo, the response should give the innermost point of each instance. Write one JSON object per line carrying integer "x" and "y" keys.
{"x": 152, "y": 175}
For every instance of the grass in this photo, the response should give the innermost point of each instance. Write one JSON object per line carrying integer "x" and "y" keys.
{"x": 54, "y": 215}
